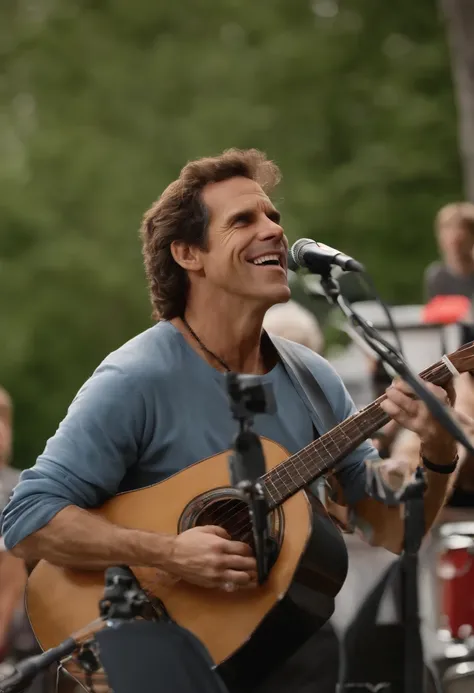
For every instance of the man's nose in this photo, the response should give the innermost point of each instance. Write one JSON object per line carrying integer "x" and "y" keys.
{"x": 270, "y": 230}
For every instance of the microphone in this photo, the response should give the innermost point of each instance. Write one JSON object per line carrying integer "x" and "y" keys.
{"x": 318, "y": 257}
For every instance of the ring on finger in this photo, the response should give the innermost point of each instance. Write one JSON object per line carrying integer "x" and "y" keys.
{"x": 229, "y": 586}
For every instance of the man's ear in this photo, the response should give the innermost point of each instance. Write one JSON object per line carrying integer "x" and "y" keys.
{"x": 189, "y": 257}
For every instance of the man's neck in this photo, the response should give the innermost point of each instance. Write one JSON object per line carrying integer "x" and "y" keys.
{"x": 232, "y": 335}
{"x": 460, "y": 266}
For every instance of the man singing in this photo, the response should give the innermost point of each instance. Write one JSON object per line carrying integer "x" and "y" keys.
{"x": 216, "y": 260}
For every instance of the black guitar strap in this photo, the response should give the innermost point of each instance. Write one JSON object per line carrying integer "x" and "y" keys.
{"x": 310, "y": 392}
{"x": 324, "y": 419}
{"x": 319, "y": 408}
{"x": 313, "y": 396}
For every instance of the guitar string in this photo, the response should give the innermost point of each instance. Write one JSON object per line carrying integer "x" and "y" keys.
{"x": 289, "y": 467}
{"x": 248, "y": 526}
{"x": 337, "y": 437}
{"x": 436, "y": 373}
{"x": 230, "y": 504}
{"x": 236, "y": 529}
{"x": 313, "y": 456}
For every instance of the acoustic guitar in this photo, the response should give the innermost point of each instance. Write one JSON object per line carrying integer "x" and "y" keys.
{"x": 247, "y": 630}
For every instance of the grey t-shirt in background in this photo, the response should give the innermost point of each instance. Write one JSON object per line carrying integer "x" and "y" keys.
{"x": 152, "y": 408}
{"x": 440, "y": 281}
{"x": 8, "y": 480}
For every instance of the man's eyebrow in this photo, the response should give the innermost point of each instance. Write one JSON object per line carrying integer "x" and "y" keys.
{"x": 271, "y": 212}
{"x": 244, "y": 212}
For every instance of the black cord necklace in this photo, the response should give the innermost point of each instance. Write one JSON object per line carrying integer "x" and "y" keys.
{"x": 204, "y": 347}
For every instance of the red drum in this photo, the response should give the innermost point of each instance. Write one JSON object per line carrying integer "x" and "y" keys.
{"x": 456, "y": 572}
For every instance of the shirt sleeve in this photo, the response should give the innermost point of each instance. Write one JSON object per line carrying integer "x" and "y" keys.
{"x": 86, "y": 459}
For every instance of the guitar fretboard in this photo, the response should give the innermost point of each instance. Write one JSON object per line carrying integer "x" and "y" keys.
{"x": 323, "y": 454}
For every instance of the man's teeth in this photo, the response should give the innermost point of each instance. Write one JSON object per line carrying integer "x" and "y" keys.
{"x": 266, "y": 258}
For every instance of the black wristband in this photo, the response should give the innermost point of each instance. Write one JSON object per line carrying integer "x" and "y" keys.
{"x": 441, "y": 468}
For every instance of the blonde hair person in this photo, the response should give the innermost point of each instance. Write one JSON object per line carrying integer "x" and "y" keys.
{"x": 454, "y": 273}
{"x": 457, "y": 213}
{"x": 6, "y": 409}
{"x": 12, "y": 569}
{"x": 292, "y": 321}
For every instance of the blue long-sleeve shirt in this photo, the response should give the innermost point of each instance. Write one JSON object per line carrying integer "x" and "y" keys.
{"x": 150, "y": 409}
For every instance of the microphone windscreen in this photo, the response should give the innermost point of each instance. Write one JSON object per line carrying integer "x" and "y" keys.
{"x": 296, "y": 249}
{"x": 292, "y": 264}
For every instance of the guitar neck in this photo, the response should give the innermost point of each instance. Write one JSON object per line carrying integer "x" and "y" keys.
{"x": 323, "y": 454}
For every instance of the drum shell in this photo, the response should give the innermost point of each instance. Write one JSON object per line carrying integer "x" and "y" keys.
{"x": 456, "y": 574}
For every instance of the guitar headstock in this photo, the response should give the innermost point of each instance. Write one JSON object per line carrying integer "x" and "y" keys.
{"x": 463, "y": 358}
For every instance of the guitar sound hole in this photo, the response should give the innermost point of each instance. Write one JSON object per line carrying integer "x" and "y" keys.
{"x": 232, "y": 514}
{"x": 223, "y": 509}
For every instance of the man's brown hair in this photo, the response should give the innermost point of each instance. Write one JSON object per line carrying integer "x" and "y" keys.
{"x": 179, "y": 214}
{"x": 456, "y": 214}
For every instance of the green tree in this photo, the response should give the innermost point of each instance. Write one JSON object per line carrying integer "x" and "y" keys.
{"x": 459, "y": 15}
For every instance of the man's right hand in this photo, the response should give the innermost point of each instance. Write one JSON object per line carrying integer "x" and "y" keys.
{"x": 207, "y": 556}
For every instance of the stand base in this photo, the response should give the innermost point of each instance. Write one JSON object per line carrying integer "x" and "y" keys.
{"x": 149, "y": 657}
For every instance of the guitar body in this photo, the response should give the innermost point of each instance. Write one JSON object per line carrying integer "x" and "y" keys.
{"x": 244, "y": 630}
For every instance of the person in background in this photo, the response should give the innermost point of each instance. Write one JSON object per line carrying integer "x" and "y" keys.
{"x": 460, "y": 493}
{"x": 12, "y": 569}
{"x": 454, "y": 274}
{"x": 292, "y": 321}
{"x": 17, "y": 640}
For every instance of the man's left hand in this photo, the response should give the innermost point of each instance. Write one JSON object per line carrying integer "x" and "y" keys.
{"x": 437, "y": 445}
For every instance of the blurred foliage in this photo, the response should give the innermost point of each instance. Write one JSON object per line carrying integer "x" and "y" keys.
{"x": 101, "y": 103}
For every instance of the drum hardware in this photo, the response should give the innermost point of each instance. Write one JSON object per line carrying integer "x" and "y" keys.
{"x": 459, "y": 678}
{"x": 455, "y": 570}
{"x": 462, "y": 527}
{"x": 123, "y": 601}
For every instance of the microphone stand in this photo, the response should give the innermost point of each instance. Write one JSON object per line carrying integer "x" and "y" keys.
{"x": 413, "y": 495}
{"x": 122, "y": 601}
{"x": 247, "y": 465}
{"x": 27, "y": 670}
{"x": 390, "y": 356}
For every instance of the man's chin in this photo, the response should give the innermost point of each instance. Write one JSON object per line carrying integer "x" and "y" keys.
{"x": 283, "y": 295}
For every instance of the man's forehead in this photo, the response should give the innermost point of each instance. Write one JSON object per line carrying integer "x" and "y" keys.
{"x": 229, "y": 195}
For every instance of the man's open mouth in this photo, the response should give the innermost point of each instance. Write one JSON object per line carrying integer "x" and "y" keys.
{"x": 271, "y": 259}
